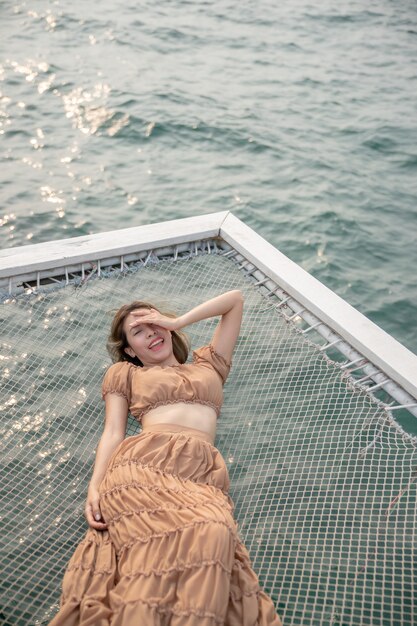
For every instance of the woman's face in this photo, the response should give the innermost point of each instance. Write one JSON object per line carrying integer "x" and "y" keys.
{"x": 145, "y": 342}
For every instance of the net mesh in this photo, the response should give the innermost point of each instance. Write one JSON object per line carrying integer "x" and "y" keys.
{"x": 322, "y": 477}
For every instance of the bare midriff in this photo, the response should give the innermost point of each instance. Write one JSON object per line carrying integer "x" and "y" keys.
{"x": 190, "y": 415}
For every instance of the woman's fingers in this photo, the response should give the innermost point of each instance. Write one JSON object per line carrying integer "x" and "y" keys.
{"x": 144, "y": 317}
{"x": 95, "y": 507}
{"x": 142, "y": 312}
{"x": 155, "y": 319}
{"x": 94, "y": 517}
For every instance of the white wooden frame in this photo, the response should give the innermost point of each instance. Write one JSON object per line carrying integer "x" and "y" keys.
{"x": 22, "y": 263}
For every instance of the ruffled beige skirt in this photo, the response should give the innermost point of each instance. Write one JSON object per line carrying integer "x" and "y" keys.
{"x": 171, "y": 555}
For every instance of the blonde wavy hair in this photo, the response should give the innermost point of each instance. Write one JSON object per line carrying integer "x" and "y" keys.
{"x": 117, "y": 340}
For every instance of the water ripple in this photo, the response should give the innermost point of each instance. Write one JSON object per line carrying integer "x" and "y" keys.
{"x": 301, "y": 120}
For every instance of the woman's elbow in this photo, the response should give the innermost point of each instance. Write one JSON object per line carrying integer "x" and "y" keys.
{"x": 114, "y": 434}
{"x": 239, "y": 295}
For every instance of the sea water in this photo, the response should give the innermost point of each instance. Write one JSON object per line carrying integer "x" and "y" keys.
{"x": 298, "y": 117}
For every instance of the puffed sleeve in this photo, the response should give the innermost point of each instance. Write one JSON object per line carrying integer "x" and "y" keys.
{"x": 209, "y": 355}
{"x": 117, "y": 380}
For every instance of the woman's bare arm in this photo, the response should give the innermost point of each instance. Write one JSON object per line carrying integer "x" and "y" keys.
{"x": 229, "y": 305}
{"x": 114, "y": 432}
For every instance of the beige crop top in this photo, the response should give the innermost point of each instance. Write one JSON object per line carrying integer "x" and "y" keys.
{"x": 146, "y": 388}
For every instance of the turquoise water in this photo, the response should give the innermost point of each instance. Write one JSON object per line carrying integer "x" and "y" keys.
{"x": 299, "y": 117}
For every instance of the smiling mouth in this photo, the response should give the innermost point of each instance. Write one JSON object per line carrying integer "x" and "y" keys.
{"x": 157, "y": 344}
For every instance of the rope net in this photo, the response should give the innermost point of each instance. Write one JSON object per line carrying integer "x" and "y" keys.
{"x": 322, "y": 476}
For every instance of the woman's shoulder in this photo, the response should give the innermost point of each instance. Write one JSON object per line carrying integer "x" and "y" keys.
{"x": 208, "y": 354}
{"x": 117, "y": 379}
{"x": 208, "y": 351}
{"x": 119, "y": 367}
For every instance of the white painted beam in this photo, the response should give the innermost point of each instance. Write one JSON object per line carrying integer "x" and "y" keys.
{"x": 53, "y": 254}
{"x": 367, "y": 337}
{"x": 360, "y": 332}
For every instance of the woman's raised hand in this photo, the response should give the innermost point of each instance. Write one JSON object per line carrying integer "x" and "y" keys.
{"x": 152, "y": 316}
{"x": 92, "y": 510}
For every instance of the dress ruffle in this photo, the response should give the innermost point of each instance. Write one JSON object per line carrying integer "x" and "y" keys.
{"x": 171, "y": 554}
